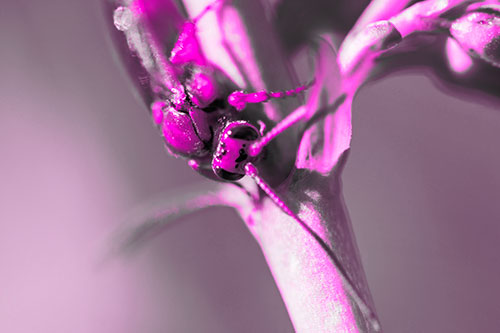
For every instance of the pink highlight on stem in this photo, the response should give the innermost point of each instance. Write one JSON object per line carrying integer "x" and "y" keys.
{"x": 323, "y": 142}
{"x": 458, "y": 60}
{"x": 369, "y": 41}
{"x": 311, "y": 286}
{"x": 379, "y": 10}
{"x": 335, "y": 277}
{"x": 418, "y": 17}
{"x": 335, "y": 135}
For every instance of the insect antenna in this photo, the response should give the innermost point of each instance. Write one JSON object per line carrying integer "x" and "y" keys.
{"x": 369, "y": 315}
{"x": 299, "y": 114}
{"x": 293, "y": 118}
{"x": 240, "y": 99}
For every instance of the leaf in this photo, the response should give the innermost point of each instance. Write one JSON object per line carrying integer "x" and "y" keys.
{"x": 152, "y": 218}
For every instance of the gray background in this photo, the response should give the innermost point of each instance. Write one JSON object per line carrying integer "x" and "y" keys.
{"x": 77, "y": 152}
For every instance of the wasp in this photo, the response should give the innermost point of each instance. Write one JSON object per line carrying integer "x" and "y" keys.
{"x": 197, "y": 108}
{"x": 204, "y": 117}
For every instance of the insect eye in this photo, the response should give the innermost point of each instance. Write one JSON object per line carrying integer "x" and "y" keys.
{"x": 180, "y": 135}
{"x": 232, "y": 155}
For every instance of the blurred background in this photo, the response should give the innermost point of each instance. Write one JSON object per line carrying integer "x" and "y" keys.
{"x": 78, "y": 151}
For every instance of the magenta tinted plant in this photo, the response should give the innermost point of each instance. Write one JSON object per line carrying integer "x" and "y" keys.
{"x": 296, "y": 211}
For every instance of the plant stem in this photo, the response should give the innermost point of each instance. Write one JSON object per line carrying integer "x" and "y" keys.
{"x": 312, "y": 283}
